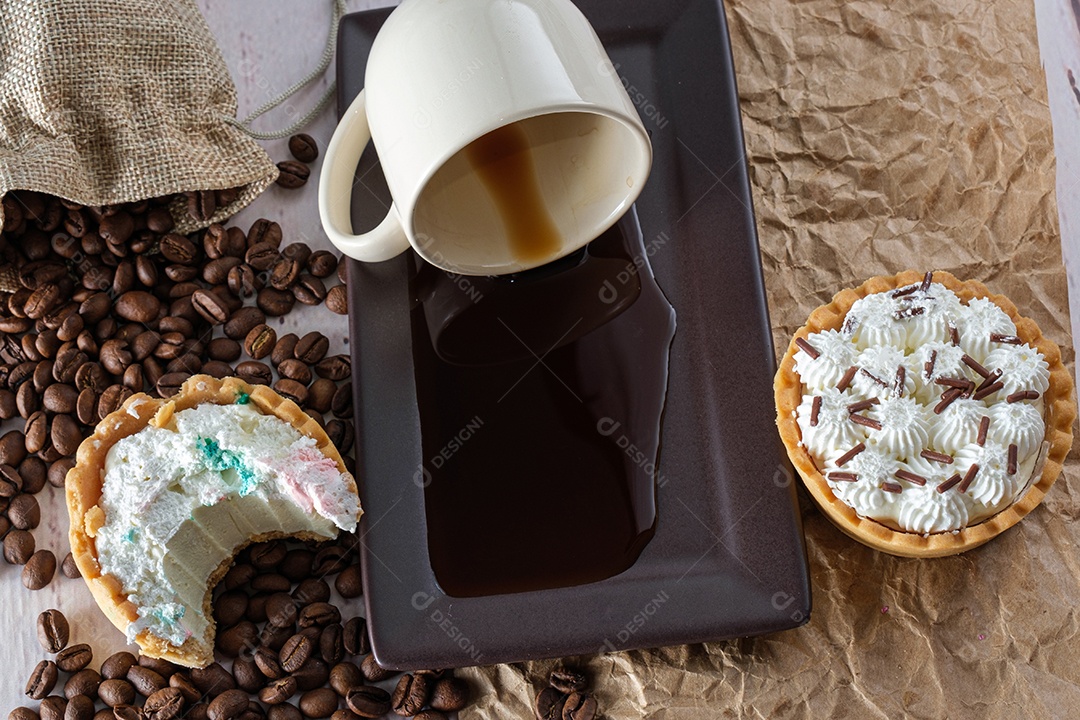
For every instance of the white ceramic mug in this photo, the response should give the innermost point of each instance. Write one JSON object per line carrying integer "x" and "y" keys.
{"x": 561, "y": 151}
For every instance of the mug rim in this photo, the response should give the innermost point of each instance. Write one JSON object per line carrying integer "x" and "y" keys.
{"x": 407, "y": 213}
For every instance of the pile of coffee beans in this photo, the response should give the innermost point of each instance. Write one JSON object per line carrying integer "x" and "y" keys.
{"x": 566, "y": 697}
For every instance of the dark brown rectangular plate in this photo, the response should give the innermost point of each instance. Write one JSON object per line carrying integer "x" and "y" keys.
{"x": 727, "y": 558}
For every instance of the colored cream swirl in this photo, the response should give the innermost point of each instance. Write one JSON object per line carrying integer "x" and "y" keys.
{"x": 897, "y": 439}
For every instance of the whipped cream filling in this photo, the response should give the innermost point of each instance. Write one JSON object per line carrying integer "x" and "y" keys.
{"x": 941, "y": 423}
{"x": 179, "y": 499}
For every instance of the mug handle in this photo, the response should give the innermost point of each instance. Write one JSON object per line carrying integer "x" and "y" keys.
{"x": 388, "y": 238}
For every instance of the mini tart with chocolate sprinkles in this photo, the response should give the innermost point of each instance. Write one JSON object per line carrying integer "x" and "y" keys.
{"x": 949, "y": 448}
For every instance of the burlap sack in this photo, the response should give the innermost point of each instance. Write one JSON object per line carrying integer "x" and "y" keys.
{"x": 113, "y": 101}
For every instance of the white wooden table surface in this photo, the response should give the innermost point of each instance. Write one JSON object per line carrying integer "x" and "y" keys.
{"x": 268, "y": 44}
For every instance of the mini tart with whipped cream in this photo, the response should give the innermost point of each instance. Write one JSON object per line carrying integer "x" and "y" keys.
{"x": 923, "y": 413}
{"x": 167, "y": 491}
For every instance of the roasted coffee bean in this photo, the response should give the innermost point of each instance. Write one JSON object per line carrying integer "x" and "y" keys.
{"x": 152, "y": 371}
{"x": 198, "y": 711}
{"x": 334, "y": 367}
{"x": 232, "y": 641}
{"x": 84, "y": 682}
{"x": 242, "y": 281}
{"x": 321, "y": 394}
{"x": 146, "y": 271}
{"x": 66, "y": 435}
{"x": 117, "y": 665}
{"x": 410, "y": 695}
{"x": 331, "y": 648}
{"x": 262, "y": 256}
{"x": 201, "y": 206}
{"x": 49, "y": 342}
{"x": 318, "y": 703}
{"x": 246, "y": 672}
{"x": 296, "y": 565}
{"x": 267, "y": 555}
{"x": 69, "y": 568}
{"x": 314, "y": 674}
{"x": 58, "y": 471}
{"x": 355, "y": 637}
{"x": 60, "y": 398}
{"x": 69, "y": 360}
{"x": 42, "y": 680}
{"x": 112, "y": 399}
{"x": 33, "y": 471}
{"x": 298, "y": 251}
{"x": 268, "y": 663}
{"x": 133, "y": 378}
{"x": 303, "y": 148}
{"x": 36, "y": 431}
{"x": 146, "y": 681}
{"x": 170, "y": 383}
{"x": 18, "y": 547}
{"x": 145, "y": 343}
{"x": 260, "y": 341}
{"x": 285, "y": 711}
{"x": 579, "y": 706}
{"x": 70, "y": 328}
{"x": 27, "y": 400}
{"x": 311, "y": 348}
{"x": 292, "y": 174}
{"x": 11, "y": 482}
{"x": 162, "y": 667}
{"x": 263, "y": 230}
{"x": 98, "y": 278}
{"x": 21, "y": 373}
{"x": 123, "y": 278}
{"x": 292, "y": 390}
{"x": 52, "y": 707}
{"x": 229, "y": 705}
{"x": 217, "y": 369}
{"x": 91, "y": 375}
{"x": 210, "y": 307}
{"x": 182, "y": 682}
{"x": 170, "y": 347}
{"x": 294, "y": 369}
{"x": 449, "y": 694}
{"x": 242, "y": 321}
{"x": 165, "y": 704}
{"x": 237, "y": 576}
{"x": 309, "y": 290}
{"x": 79, "y": 707}
{"x": 116, "y": 692}
{"x": 344, "y": 676}
{"x": 216, "y": 272}
{"x": 42, "y": 300}
{"x": 39, "y": 570}
{"x": 430, "y": 714}
{"x": 337, "y": 300}
{"x": 123, "y": 712}
{"x": 53, "y": 630}
{"x": 274, "y": 302}
{"x": 368, "y": 701}
{"x": 295, "y": 652}
{"x": 212, "y": 680}
{"x": 549, "y": 704}
{"x": 86, "y": 407}
{"x": 116, "y": 228}
{"x": 283, "y": 349}
{"x": 115, "y": 356}
{"x": 322, "y": 263}
{"x": 230, "y": 606}
{"x": 278, "y": 691}
{"x": 284, "y": 273}
{"x": 137, "y": 306}
{"x": 373, "y": 671}
{"x": 348, "y": 583}
{"x": 8, "y": 405}
{"x": 74, "y": 658}
{"x": 342, "y": 403}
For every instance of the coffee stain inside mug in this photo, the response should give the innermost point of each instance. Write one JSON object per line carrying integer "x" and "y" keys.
{"x": 503, "y": 161}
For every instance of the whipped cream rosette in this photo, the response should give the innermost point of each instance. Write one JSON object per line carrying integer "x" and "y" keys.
{"x": 919, "y": 411}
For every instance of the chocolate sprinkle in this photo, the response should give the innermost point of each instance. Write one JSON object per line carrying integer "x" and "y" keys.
{"x": 1005, "y": 339}
{"x": 845, "y": 381}
{"x": 984, "y": 425}
{"x": 849, "y": 325}
{"x": 865, "y": 421}
{"x": 874, "y": 377}
{"x": 815, "y": 408}
{"x": 989, "y": 390}
{"x": 954, "y": 383}
{"x": 911, "y": 477}
{"x": 901, "y": 381}
{"x": 892, "y": 487}
{"x": 807, "y": 348}
{"x": 845, "y": 476}
{"x": 1023, "y": 395}
{"x": 947, "y": 399}
{"x": 928, "y": 366}
{"x": 846, "y": 457}
{"x": 927, "y": 279}
{"x": 969, "y": 477}
{"x": 1012, "y": 460}
{"x": 994, "y": 376}
{"x": 936, "y": 457}
{"x": 903, "y": 291}
{"x": 908, "y": 312}
{"x": 950, "y": 483}
{"x": 974, "y": 365}
{"x": 954, "y": 334}
{"x": 862, "y": 405}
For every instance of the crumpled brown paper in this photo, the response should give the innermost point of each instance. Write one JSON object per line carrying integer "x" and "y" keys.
{"x": 883, "y": 136}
